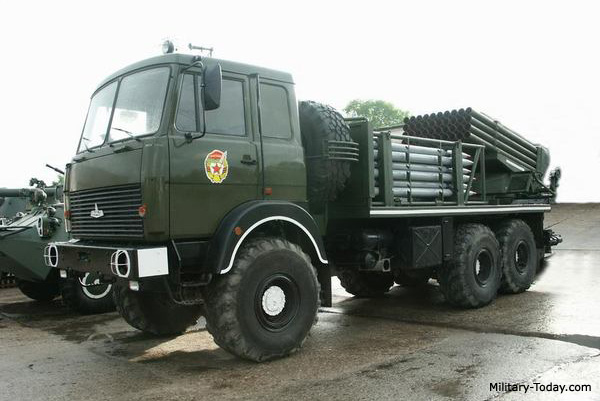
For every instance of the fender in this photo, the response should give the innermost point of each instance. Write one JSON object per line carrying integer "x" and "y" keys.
{"x": 251, "y": 215}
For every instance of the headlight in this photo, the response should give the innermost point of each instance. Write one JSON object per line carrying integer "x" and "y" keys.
{"x": 45, "y": 226}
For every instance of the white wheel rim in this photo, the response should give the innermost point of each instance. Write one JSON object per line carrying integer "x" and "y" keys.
{"x": 96, "y": 282}
{"x": 273, "y": 300}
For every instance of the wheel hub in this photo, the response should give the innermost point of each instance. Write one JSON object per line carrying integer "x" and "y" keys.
{"x": 277, "y": 301}
{"x": 273, "y": 300}
{"x": 93, "y": 288}
{"x": 521, "y": 257}
{"x": 482, "y": 267}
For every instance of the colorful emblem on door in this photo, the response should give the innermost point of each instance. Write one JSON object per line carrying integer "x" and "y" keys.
{"x": 216, "y": 166}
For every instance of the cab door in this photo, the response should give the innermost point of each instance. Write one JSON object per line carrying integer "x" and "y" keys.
{"x": 284, "y": 170}
{"x": 211, "y": 174}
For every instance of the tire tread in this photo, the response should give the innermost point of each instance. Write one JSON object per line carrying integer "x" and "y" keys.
{"x": 452, "y": 279}
{"x": 221, "y": 300}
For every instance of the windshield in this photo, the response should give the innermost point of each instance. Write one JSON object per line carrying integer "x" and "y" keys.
{"x": 98, "y": 118}
{"x": 137, "y": 111}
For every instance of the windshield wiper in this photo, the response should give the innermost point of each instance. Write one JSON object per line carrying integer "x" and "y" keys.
{"x": 129, "y": 133}
{"x": 84, "y": 140}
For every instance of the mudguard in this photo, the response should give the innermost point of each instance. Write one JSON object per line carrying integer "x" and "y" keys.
{"x": 247, "y": 217}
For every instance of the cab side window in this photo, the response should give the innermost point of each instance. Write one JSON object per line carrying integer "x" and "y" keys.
{"x": 187, "y": 118}
{"x": 228, "y": 119}
{"x": 275, "y": 111}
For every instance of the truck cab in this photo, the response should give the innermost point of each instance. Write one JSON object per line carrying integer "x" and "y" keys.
{"x": 160, "y": 166}
{"x": 189, "y": 168}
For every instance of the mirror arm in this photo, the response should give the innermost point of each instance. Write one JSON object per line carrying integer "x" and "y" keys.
{"x": 189, "y": 137}
{"x": 195, "y": 63}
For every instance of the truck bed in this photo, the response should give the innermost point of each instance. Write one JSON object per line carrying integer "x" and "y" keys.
{"x": 373, "y": 188}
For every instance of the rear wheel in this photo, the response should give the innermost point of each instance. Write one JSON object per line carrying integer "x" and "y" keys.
{"x": 365, "y": 284}
{"x": 265, "y": 307}
{"x": 87, "y": 294}
{"x": 153, "y": 312}
{"x": 519, "y": 256}
{"x": 473, "y": 277}
{"x": 43, "y": 291}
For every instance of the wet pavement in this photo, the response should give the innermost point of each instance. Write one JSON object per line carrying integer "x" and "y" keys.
{"x": 406, "y": 345}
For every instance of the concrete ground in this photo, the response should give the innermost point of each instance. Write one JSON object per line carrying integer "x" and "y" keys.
{"x": 407, "y": 345}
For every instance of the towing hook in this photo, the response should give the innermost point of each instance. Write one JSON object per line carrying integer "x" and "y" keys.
{"x": 94, "y": 283}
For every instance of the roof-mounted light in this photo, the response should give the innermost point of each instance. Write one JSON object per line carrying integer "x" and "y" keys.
{"x": 175, "y": 45}
{"x": 168, "y": 47}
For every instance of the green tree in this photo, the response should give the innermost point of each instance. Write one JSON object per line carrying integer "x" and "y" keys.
{"x": 59, "y": 181}
{"x": 380, "y": 113}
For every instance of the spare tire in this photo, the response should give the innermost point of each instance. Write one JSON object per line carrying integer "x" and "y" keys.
{"x": 325, "y": 178}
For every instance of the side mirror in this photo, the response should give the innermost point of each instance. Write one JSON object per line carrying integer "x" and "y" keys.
{"x": 211, "y": 93}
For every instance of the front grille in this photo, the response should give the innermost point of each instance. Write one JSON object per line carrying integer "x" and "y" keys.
{"x": 119, "y": 206}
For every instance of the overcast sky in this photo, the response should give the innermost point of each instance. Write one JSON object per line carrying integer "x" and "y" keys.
{"x": 535, "y": 66}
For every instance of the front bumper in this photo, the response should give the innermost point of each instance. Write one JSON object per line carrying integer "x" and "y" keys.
{"x": 131, "y": 263}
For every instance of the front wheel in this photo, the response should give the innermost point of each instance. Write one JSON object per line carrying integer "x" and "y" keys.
{"x": 87, "y": 294}
{"x": 42, "y": 291}
{"x": 265, "y": 307}
{"x": 154, "y": 312}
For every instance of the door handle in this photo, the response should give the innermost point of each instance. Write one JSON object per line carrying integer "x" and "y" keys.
{"x": 247, "y": 159}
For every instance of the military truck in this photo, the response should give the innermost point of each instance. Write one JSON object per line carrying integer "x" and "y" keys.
{"x": 201, "y": 186}
{"x": 31, "y": 218}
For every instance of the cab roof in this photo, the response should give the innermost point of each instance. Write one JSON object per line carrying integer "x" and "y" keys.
{"x": 188, "y": 59}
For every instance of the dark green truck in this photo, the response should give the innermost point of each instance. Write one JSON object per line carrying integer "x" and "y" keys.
{"x": 202, "y": 186}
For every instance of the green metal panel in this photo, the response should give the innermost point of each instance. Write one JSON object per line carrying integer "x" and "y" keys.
{"x": 107, "y": 167}
{"x": 386, "y": 180}
{"x": 355, "y": 200}
{"x": 155, "y": 189}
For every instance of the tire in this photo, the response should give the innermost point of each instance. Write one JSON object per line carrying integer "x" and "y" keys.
{"x": 87, "y": 300}
{"x": 42, "y": 291}
{"x": 325, "y": 178}
{"x": 154, "y": 313}
{"x": 245, "y": 311}
{"x": 519, "y": 261}
{"x": 465, "y": 282}
{"x": 365, "y": 284}
{"x": 416, "y": 278}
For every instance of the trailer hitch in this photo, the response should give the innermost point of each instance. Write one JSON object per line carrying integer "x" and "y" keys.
{"x": 551, "y": 239}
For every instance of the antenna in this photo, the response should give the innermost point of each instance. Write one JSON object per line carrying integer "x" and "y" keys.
{"x": 209, "y": 50}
